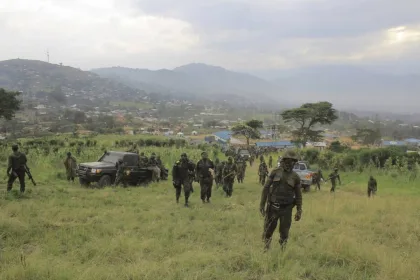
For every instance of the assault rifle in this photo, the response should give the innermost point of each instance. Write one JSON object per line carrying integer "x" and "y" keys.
{"x": 28, "y": 172}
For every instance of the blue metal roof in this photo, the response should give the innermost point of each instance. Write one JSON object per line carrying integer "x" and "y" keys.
{"x": 412, "y": 140}
{"x": 224, "y": 134}
{"x": 393, "y": 143}
{"x": 275, "y": 144}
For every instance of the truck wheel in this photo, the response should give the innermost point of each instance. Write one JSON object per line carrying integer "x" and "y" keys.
{"x": 104, "y": 181}
{"x": 84, "y": 182}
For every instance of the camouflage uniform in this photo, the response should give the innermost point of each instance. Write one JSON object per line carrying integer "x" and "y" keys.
{"x": 16, "y": 169}
{"x": 218, "y": 172}
{"x": 270, "y": 162}
{"x": 251, "y": 159}
{"x": 163, "y": 171}
{"x": 182, "y": 176}
{"x": 317, "y": 178}
{"x": 133, "y": 149}
{"x": 240, "y": 168}
{"x": 205, "y": 177}
{"x": 280, "y": 194}
{"x": 143, "y": 160}
{"x": 119, "y": 178}
{"x": 372, "y": 186}
{"x": 71, "y": 165}
{"x": 262, "y": 172}
{"x": 333, "y": 176}
{"x": 153, "y": 165}
{"x": 229, "y": 172}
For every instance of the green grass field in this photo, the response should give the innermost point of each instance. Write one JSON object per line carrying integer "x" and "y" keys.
{"x": 62, "y": 231}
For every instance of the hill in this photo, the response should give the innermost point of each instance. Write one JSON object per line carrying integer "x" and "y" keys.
{"x": 32, "y": 77}
{"x": 197, "y": 80}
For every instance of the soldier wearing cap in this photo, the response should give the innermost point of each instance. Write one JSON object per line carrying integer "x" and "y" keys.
{"x": 280, "y": 194}
{"x": 204, "y": 175}
{"x": 183, "y": 173}
{"x": 16, "y": 169}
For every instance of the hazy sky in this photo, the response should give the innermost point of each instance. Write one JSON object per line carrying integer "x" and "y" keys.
{"x": 248, "y": 35}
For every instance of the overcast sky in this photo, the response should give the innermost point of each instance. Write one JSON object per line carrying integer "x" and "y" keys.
{"x": 245, "y": 35}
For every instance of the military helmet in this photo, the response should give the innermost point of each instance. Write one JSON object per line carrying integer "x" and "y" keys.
{"x": 290, "y": 154}
{"x": 183, "y": 155}
{"x": 69, "y": 154}
{"x": 15, "y": 146}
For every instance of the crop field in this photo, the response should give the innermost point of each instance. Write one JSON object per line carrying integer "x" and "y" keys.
{"x": 59, "y": 230}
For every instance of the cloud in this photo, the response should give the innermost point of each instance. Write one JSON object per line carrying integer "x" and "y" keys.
{"x": 87, "y": 32}
{"x": 237, "y": 34}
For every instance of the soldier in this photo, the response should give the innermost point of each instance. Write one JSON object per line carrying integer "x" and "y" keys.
{"x": 270, "y": 162}
{"x": 251, "y": 159}
{"x": 153, "y": 165}
{"x": 119, "y": 178}
{"x": 217, "y": 174}
{"x": 372, "y": 186}
{"x": 71, "y": 165}
{"x": 182, "y": 176}
{"x": 317, "y": 178}
{"x": 229, "y": 172}
{"x": 143, "y": 160}
{"x": 333, "y": 176}
{"x": 204, "y": 176}
{"x": 133, "y": 149}
{"x": 262, "y": 172}
{"x": 279, "y": 196}
{"x": 163, "y": 171}
{"x": 16, "y": 169}
{"x": 240, "y": 169}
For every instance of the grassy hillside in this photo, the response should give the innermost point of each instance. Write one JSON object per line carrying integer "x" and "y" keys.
{"x": 62, "y": 231}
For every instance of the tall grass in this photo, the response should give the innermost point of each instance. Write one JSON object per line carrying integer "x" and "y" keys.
{"x": 62, "y": 231}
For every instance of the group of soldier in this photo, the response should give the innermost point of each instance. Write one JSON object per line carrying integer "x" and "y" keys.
{"x": 280, "y": 194}
{"x": 185, "y": 172}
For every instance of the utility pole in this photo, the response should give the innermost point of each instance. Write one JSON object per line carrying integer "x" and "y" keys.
{"x": 48, "y": 56}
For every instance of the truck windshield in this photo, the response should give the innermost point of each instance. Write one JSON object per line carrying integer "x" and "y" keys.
{"x": 109, "y": 157}
{"x": 300, "y": 166}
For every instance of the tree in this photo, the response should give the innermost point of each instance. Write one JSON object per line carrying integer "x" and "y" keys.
{"x": 307, "y": 116}
{"x": 367, "y": 136}
{"x": 211, "y": 123}
{"x": 9, "y": 104}
{"x": 249, "y": 130}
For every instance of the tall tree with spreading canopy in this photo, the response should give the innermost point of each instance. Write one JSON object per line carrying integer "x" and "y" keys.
{"x": 307, "y": 116}
{"x": 248, "y": 129}
{"x": 367, "y": 136}
{"x": 9, "y": 104}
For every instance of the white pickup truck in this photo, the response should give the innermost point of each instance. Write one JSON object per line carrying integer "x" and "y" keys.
{"x": 305, "y": 174}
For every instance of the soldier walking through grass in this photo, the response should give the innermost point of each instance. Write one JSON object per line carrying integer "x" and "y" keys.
{"x": 205, "y": 177}
{"x": 229, "y": 173}
{"x": 270, "y": 162}
{"x": 70, "y": 164}
{"x": 262, "y": 172}
{"x": 279, "y": 196}
{"x": 153, "y": 165}
{"x": 16, "y": 169}
{"x": 317, "y": 177}
{"x": 333, "y": 177}
{"x": 372, "y": 186}
{"x": 182, "y": 176}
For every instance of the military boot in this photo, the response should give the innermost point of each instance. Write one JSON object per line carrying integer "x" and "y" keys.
{"x": 186, "y": 202}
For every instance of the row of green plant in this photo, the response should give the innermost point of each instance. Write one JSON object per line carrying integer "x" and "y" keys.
{"x": 391, "y": 160}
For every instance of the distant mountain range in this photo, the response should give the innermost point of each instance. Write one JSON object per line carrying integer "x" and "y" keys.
{"x": 198, "y": 80}
{"x": 347, "y": 87}
{"x": 32, "y": 77}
